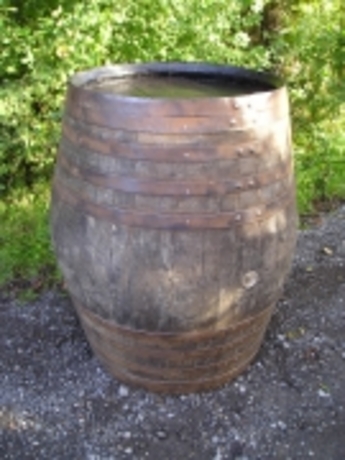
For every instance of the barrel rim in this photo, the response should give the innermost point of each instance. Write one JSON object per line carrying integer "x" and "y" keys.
{"x": 80, "y": 80}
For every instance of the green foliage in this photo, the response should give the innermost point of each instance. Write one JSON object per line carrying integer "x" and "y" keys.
{"x": 310, "y": 53}
{"x": 321, "y": 168}
{"x": 25, "y": 248}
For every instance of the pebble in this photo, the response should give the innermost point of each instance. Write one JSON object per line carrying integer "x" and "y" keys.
{"x": 218, "y": 455}
{"x": 123, "y": 391}
{"x": 127, "y": 435}
{"x": 161, "y": 434}
{"x": 328, "y": 251}
{"x": 284, "y": 342}
{"x": 323, "y": 394}
{"x": 242, "y": 389}
{"x": 282, "y": 425}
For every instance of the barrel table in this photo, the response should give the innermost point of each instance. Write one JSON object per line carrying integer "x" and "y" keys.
{"x": 173, "y": 217}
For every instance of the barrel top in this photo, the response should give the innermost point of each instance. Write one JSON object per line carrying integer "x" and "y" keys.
{"x": 175, "y": 89}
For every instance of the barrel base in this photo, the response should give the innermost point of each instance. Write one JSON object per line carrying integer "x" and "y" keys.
{"x": 175, "y": 363}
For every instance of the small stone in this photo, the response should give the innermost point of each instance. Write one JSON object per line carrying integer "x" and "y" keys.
{"x": 127, "y": 435}
{"x": 328, "y": 251}
{"x": 284, "y": 342}
{"x": 161, "y": 435}
{"x": 242, "y": 389}
{"x": 323, "y": 394}
{"x": 123, "y": 391}
{"x": 218, "y": 455}
{"x": 128, "y": 450}
{"x": 281, "y": 425}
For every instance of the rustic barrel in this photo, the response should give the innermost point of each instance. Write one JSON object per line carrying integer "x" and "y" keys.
{"x": 173, "y": 217}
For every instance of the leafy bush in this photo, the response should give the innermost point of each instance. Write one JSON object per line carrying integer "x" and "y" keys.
{"x": 25, "y": 249}
{"x": 310, "y": 53}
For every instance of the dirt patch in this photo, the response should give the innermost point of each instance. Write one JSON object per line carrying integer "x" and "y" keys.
{"x": 56, "y": 402}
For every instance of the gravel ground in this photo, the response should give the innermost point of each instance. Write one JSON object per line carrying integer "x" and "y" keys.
{"x": 56, "y": 402}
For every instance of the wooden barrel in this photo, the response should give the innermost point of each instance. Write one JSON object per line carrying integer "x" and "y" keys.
{"x": 173, "y": 217}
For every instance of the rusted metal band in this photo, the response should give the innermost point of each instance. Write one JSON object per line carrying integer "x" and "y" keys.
{"x": 174, "y": 387}
{"x": 185, "y": 359}
{"x": 149, "y": 369}
{"x": 173, "y": 147}
{"x": 211, "y": 337}
{"x": 174, "y": 188}
{"x": 104, "y": 144}
{"x": 172, "y": 125}
{"x": 168, "y": 221}
{"x": 184, "y": 354}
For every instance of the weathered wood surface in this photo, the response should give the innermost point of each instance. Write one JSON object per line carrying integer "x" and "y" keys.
{"x": 173, "y": 232}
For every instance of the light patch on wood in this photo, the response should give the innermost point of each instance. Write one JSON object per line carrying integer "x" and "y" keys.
{"x": 228, "y": 299}
{"x": 276, "y": 223}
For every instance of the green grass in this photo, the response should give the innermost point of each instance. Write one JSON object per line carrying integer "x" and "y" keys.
{"x": 320, "y": 165}
{"x": 26, "y": 257}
